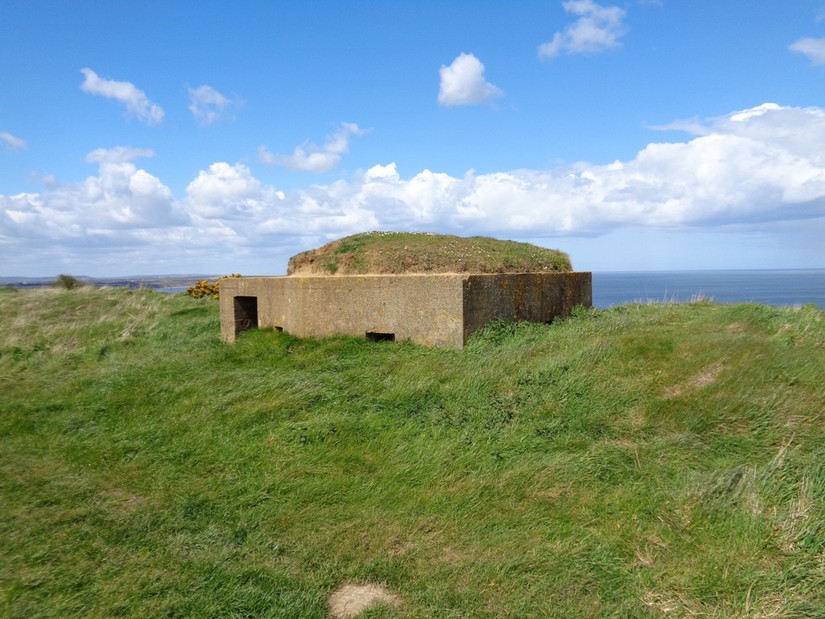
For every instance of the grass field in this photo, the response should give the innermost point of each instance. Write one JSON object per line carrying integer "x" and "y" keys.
{"x": 653, "y": 460}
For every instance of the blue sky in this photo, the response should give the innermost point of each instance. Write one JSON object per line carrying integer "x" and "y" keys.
{"x": 188, "y": 137}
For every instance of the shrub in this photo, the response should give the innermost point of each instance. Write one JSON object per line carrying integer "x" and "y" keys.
{"x": 204, "y": 288}
{"x": 67, "y": 282}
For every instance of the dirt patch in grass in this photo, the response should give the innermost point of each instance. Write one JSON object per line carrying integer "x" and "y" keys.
{"x": 707, "y": 377}
{"x": 351, "y": 600}
{"x": 403, "y": 252}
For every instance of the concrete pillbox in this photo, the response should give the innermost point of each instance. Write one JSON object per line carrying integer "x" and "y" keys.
{"x": 431, "y": 309}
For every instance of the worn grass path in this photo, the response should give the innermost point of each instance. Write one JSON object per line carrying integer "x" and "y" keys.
{"x": 643, "y": 461}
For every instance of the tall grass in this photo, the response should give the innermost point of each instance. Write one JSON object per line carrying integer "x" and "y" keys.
{"x": 643, "y": 461}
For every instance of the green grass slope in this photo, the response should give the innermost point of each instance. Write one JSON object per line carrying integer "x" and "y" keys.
{"x": 424, "y": 252}
{"x": 643, "y": 461}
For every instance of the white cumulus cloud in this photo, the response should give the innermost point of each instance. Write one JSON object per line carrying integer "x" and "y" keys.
{"x": 310, "y": 157}
{"x": 208, "y": 105}
{"x": 760, "y": 169}
{"x": 747, "y": 167}
{"x": 231, "y": 192}
{"x": 135, "y": 100}
{"x": 463, "y": 83}
{"x": 119, "y": 198}
{"x": 813, "y": 48}
{"x": 597, "y": 29}
{"x": 12, "y": 142}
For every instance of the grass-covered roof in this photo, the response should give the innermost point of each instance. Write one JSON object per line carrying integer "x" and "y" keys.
{"x": 408, "y": 252}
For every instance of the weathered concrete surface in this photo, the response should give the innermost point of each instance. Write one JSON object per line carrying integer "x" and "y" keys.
{"x": 433, "y": 310}
{"x": 532, "y": 297}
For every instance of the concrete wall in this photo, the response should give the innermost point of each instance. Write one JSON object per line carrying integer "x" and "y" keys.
{"x": 533, "y": 297}
{"x": 433, "y": 310}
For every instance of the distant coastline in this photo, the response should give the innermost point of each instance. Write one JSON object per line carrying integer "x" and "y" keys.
{"x": 166, "y": 283}
{"x": 772, "y": 287}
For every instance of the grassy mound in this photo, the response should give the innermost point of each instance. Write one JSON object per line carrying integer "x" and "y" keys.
{"x": 642, "y": 461}
{"x": 406, "y": 252}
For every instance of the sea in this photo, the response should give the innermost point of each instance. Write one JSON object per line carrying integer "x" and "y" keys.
{"x": 772, "y": 287}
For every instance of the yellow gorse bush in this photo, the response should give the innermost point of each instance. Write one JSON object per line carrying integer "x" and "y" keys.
{"x": 204, "y": 288}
